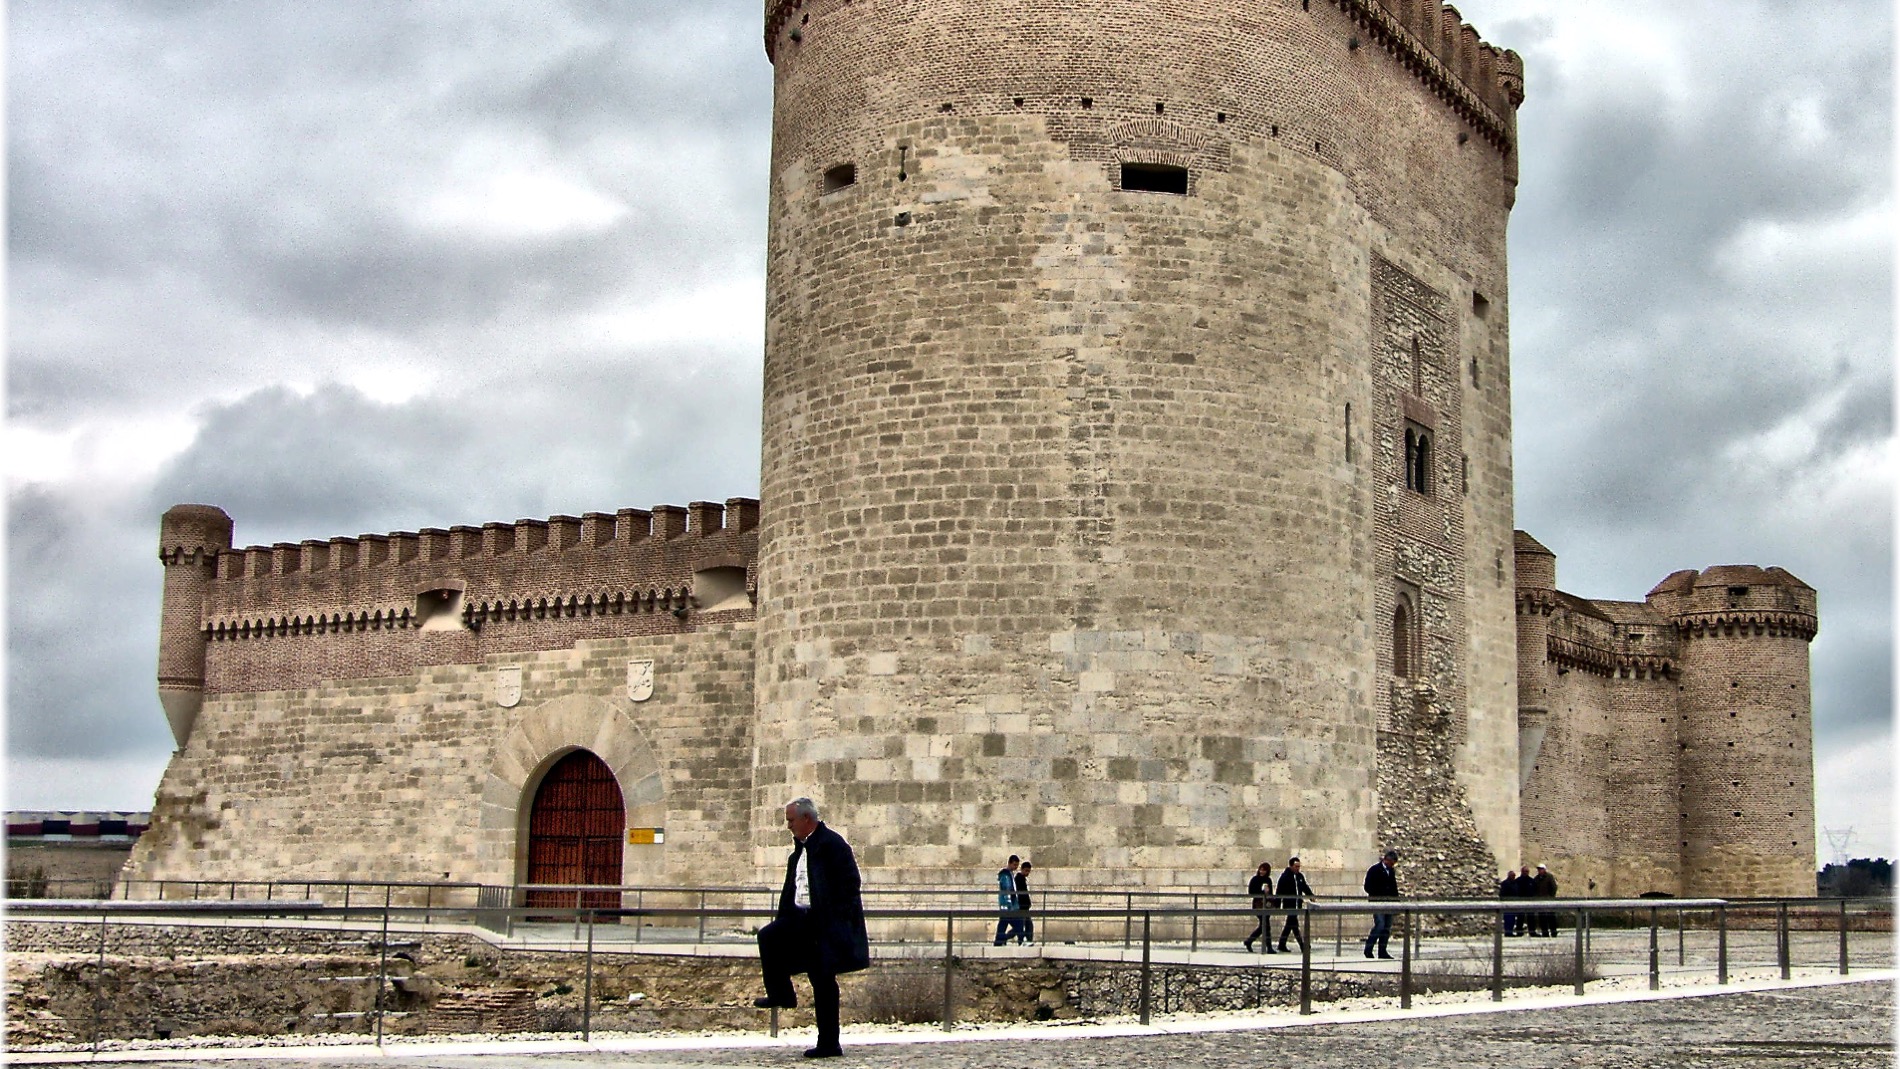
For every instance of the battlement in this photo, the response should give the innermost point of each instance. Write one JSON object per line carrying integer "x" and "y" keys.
{"x": 623, "y": 561}
{"x": 1737, "y": 599}
{"x": 1482, "y": 83}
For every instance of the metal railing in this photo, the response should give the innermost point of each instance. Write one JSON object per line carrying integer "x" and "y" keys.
{"x": 1162, "y": 939}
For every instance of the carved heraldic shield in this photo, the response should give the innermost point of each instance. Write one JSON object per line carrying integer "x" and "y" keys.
{"x": 639, "y": 680}
{"x": 508, "y": 686}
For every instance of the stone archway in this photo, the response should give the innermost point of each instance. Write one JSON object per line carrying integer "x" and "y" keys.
{"x": 541, "y": 737}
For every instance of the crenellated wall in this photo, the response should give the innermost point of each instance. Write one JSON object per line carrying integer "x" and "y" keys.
{"x": 296, "y": 614}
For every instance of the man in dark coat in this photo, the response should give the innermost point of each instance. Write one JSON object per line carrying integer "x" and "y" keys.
{"x": 1382, "y": 883}
{"x": 1293, "y": 890}
{"x": 1524, "y": 886}
{"x": 1507, "y": 889}
{"x": 1544, "y": 885}
{"x": 820, "y": 926}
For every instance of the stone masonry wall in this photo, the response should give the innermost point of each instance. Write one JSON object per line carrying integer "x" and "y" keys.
{"x": 428, "y": 776}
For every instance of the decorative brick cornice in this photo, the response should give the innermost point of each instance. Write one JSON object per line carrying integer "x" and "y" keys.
{"x": 1533, "y": 602}
{"x": 1644, "y": 664}
{"x": 1730, "y": 623}
{"x": 1569, "y": 653}
{"x": 1475, "y": 79}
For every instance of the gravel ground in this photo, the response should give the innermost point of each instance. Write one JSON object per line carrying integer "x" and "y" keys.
{"x": 1833, "y": 1025}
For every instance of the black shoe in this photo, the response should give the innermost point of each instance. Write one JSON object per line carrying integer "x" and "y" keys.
{"x": 825, "y": 1052}
{"x": 766, "y": 1002}
{"x": 1283, "y": 948}
{"x": 1386, "y": 956}
{"x": 1249, "y": 945}
{"x": 1268, "y": 949}
{"x": 1368, "y": 952}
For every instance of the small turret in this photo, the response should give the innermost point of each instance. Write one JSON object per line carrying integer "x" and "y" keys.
{"x": 190, "y": 539}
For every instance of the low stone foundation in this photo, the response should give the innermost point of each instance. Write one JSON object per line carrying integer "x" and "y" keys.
{"x": 172, "y": 981}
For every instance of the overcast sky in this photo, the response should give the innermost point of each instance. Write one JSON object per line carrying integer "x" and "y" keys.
{"x": 347, "y": 268}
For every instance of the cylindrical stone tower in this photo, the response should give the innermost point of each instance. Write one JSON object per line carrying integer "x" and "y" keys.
{"x": 1136, "y": 430}
{"x": 1747, "y": 732}
{"x": 189, "y": 541}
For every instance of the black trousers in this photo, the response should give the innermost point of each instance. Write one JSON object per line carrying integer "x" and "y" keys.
{"x": 786, "y": 949}
{"x": 1292, "y": 928}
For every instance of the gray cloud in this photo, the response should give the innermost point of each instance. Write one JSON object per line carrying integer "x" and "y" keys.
{"x": 263, "y": 224}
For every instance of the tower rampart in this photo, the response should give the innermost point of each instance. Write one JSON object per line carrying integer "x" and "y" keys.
{"x": 1095, "y": 334}
{"x": 1747, "y": 758}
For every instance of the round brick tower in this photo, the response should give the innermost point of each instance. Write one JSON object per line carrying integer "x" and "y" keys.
{"x": 189, "y": 540}
{"x": 1747, "y": 734}
{"x": 1132, "y": 372}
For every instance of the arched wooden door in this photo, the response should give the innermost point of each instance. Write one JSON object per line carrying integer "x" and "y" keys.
{"x": 575, "y": 832}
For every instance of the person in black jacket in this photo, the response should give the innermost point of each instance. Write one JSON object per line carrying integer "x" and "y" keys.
{"x": 1507, "y": 888}
{"x": 1382, "y": 883}
{"x": 1543, "y": 885}
{"x": 1525, "y": 886}
{"x": 1257, "y": 887}
{"x": 819, "y": 930}
{"x": 1292, "y": 890}
{"x": 1025, "y": 924}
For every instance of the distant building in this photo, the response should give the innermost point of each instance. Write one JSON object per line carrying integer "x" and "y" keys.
{"x": 69, "y": 854}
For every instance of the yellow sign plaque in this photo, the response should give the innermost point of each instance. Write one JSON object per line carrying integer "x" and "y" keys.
{"x": 645, "y": 836}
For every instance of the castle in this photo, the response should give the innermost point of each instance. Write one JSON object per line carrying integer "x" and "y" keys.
{"x": 1136, "y": 495}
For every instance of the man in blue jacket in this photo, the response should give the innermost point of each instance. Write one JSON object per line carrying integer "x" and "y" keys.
{"x": 819, "y": 930}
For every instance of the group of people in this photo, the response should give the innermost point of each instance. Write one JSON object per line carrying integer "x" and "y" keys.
{"x": 1522, "y": 884}
{"x": 1287, "y": 894}
{"x": 819, "y": 928}
{"x": 1013, "y": 919}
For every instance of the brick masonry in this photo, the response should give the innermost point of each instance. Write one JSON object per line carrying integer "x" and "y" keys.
{"x": 1089, "y": 527}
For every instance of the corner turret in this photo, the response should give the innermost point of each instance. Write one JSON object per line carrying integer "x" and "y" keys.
{"x": 190, "y": 539}
{"x": 1747, "y": 734}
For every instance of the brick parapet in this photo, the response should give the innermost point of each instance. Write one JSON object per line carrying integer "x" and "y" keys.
{"x": 1482, "y": 84}
{"x": 635, "y": 560}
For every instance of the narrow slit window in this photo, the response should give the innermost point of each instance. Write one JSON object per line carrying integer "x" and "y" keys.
{"x": 840, "y": 177}
{"x": 1154, "y": 178}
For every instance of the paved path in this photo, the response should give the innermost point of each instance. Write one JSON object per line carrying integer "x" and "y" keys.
{"x": 1821, "y": 1024}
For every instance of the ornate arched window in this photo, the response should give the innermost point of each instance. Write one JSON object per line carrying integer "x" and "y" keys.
{"x": 1404, "y": 630}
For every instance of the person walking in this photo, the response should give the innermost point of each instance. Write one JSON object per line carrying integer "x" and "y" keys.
{"x": 1382, "y": 884}
{"x": 1258, "y": 887}
{"x": 1544, "y": 885}
{"x": 819, "y": 930}
{"x": 1025, "y": 924}
{"x": 1294, "y": 893}
{"x": 1006, "y": 900}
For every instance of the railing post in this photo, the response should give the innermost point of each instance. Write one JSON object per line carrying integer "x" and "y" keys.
{"x": 1655, "y": 964}
{"x": 949, "y": 964}
{"x": 1405, "y": 959}
{"x": 1194, "y": 922}
{"x": 1576, "y": 963}
{"x": 587, "y": 987}
{"x": 1843, "y": 937}
{"x": 702, "y": 916}
{"x": 1721, "y": 944}
{"x": 428, "y": 902}
{"x": 1680, "y": 946}
{"x": 1128, "y": 919}
{"x": 1497, "y": 959}
{"x": 382, "y": 967}
{"x": 1781, "y": 938}
{"x": 639, "y": 913}
{"x": 1147, "y": 943}
{"x": 1306, "y": 968}
{"x": 98, "y": 984}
